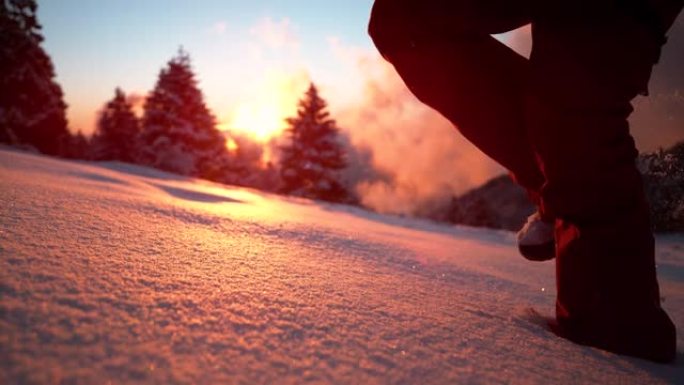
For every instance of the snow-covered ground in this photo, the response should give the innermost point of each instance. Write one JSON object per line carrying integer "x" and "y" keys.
{"x": 112, "y": 273}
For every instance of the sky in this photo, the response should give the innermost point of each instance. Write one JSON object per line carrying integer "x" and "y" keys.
{"x": 254, "y": 60}
{"x": 240, "y": 49}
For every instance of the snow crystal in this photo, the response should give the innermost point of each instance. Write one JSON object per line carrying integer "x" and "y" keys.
{"x": 113, "y": 273}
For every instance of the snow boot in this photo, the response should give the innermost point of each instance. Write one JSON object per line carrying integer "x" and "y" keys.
{"x": 651, "y": 337}
{"x": 536, "y": 240}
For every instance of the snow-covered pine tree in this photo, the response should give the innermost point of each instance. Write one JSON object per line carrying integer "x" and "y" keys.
{"x": 117, "y": 131}
{"x": 311, "y": 161}
{"x": 178, "y": 131}
{"x": 77, "y": 147}
{"x": 31, "y": 107}
{"x": 663, "y": 173}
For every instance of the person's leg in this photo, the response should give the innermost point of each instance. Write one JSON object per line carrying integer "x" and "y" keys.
{"x": 586, "y": 66}
{"x": 443, "y": 51}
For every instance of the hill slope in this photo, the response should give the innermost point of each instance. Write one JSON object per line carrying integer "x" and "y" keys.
{"x": 116, "y": 273}
{"x": 498, "y": 204}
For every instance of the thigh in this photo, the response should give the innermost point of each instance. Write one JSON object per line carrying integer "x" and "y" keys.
{"x": 587, "y": 64}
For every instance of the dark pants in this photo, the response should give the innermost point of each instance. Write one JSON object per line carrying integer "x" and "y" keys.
{"x": 558, "y": 122}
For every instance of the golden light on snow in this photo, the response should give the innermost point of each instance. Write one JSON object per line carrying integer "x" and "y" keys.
{"x": 261, "y": 114}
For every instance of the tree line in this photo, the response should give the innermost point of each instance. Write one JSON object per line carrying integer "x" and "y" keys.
{"x": 176, "y": 132}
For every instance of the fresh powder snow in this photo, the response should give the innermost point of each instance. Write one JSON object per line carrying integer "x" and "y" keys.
{"x": 114, "y": 273}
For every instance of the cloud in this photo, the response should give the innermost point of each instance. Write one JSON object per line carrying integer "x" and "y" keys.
{"x": 419, "y": 159}
{"x": 274, "y": 43}
{"x": 219, "y": 27}
{"x": 275, "y": 34}
{"x": 347, "y": 53}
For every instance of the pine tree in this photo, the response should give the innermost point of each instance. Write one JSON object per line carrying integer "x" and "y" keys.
{"x": 311, "y": 162}
{"x": 663, "y": 173}
{"x": 77, "y": 147}
{"x": 31, "y": 107}
{"x": 117, "y": 131}
{"x": 178, "y": 131}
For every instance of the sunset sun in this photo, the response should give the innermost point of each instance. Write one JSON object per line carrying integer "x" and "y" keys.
{"x": 262, "y": 116}
{"x": 261, "y": 121}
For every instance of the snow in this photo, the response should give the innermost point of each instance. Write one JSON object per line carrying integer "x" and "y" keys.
{"x": 113, "y": 273}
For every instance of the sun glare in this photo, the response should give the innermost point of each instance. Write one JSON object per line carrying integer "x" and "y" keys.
{"x": 262, "y": 115}
{"x": 261, "y": 121}
{"x": 231, "y": 144}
